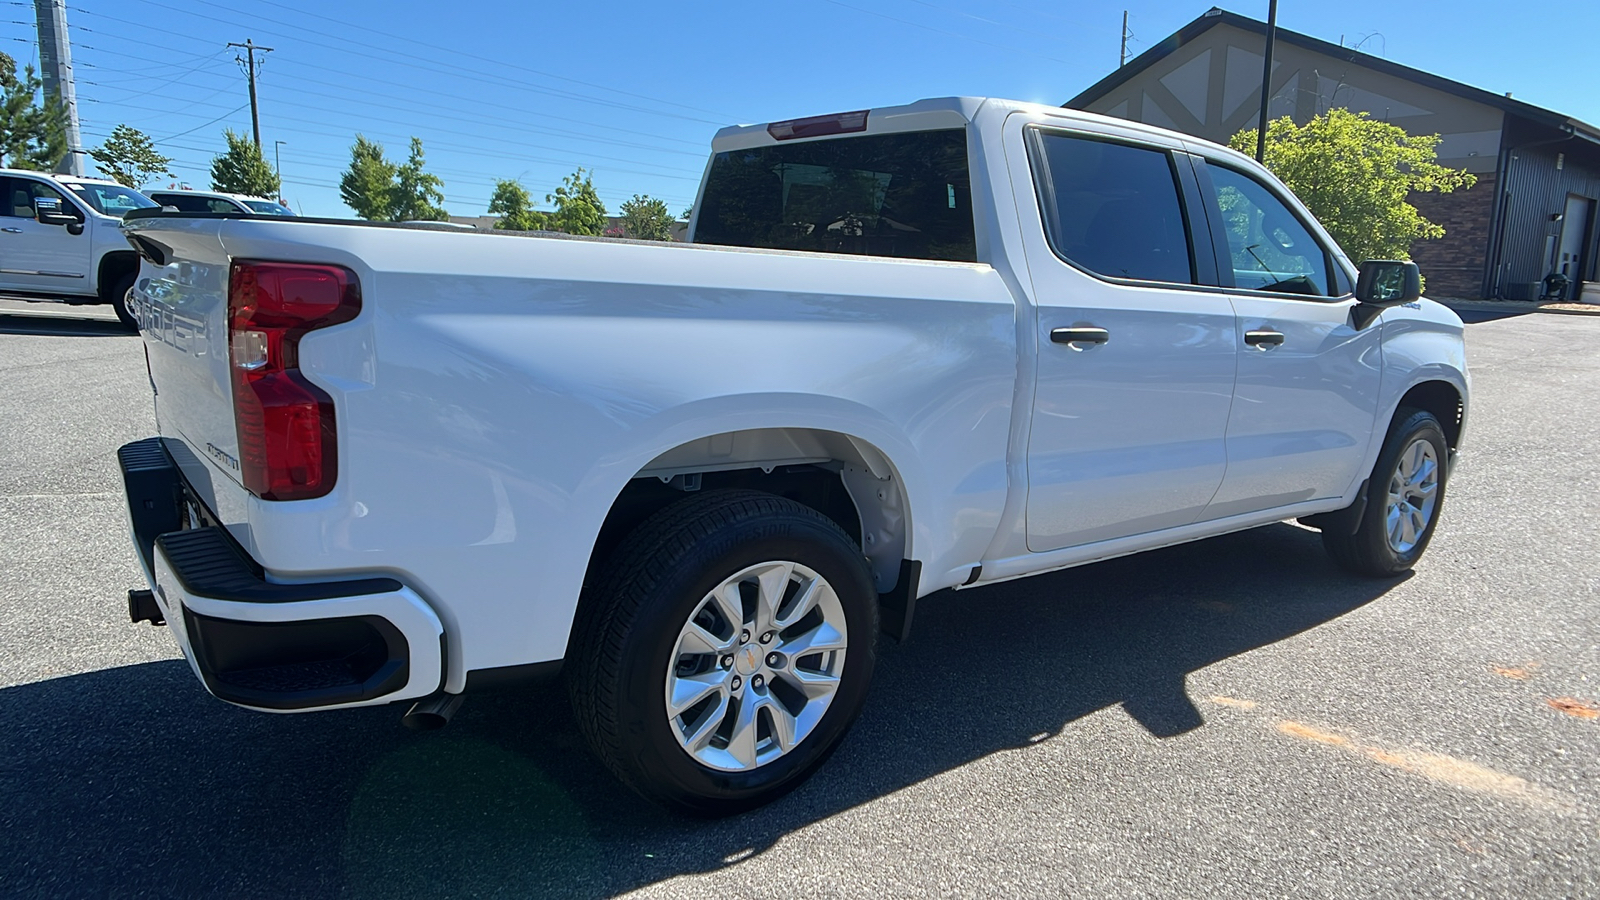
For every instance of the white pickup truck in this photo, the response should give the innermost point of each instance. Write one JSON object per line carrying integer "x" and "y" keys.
{"x": 61, "y": 239}
{"x": 907, "y": 349}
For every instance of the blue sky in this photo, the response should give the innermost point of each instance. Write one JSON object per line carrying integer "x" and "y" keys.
{"x": 634, "y": 90}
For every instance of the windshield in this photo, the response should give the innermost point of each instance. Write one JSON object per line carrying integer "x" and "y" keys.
{"x": 267, "y": 207}
{"x": 111, "y": 199}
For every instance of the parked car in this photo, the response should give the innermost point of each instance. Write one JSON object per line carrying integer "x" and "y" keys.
{"x": 61, "y": 239}
{"x": 909, "y": 349}
{"x": 186, "y": 200}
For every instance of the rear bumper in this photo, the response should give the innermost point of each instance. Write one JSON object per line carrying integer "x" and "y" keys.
{"x": 264, "y": 644}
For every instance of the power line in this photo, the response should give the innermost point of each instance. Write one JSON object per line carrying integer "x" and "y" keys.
{"x": 195, "y": 66}
{"x": 198, "y": 127}
{"x": 295, "y": 127}
{"x": 468, "y": 55}
{"x": 479, "y": 151}
{"x": 346, "y": 50}
{"x": 499, "y": 123}
{"x": 431, "y": 71}
{"x": 491, "y": 138}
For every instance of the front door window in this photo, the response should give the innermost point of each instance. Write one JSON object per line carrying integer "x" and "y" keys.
{"x": 1270, "y": 249}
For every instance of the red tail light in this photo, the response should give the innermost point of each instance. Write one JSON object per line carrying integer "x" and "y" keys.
{"x": 288, "y": 447}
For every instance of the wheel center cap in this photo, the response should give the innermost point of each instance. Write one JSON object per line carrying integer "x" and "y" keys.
{"x": 747, "y": 660}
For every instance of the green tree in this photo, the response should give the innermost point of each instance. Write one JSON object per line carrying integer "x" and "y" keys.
{"x": 512, "y": 203}
{"x": 368, "y": 185}
{"x": 647, "y": 218}
{"x": 242, "y": 170}
{"x": 578, "y": 207}
{"x": 33, "y": 135}
{"x": 418, "y": 194}
{"x": 1355, "y": 174}
{"x": 129, "y": 158}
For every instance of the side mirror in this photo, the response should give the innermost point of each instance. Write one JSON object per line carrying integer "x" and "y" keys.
{"x": 1388, "y": 282}
{"x": 47, "y": 211}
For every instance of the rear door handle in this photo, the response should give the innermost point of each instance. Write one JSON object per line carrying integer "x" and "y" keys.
{"x": 1263, "y": 339}
{"x": 11, "y": 230}
{"x": 1079, "y": 335}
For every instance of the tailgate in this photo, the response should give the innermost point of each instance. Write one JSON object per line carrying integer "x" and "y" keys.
{"x": 181, "y": 301}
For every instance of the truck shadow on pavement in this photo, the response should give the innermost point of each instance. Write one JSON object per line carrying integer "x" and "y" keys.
{"x": 57, "y": 325}
{"x": 133, "y": 781}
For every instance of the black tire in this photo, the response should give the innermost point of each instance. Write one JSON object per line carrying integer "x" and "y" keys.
{"x": 119, "y": 299}
{"x": 1368, "y": 551}
{"x": 627, "y": 626}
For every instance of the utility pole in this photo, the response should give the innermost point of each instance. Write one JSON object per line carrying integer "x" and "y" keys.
{"x": 1122, "y": 58}
{"x": 249, "y": 64}
{"x": 1266, "y": 79}
{"x": 55, "y": 59}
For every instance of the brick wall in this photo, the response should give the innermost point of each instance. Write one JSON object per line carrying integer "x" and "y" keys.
{"x": 1453, "y": 265}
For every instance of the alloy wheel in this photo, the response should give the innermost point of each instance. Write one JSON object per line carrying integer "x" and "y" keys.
{"x": 756, "y": 666}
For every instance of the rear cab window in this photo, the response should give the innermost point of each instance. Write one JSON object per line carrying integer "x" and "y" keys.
{"x": 906, "y": 195}
{"x": 193, "y": 204}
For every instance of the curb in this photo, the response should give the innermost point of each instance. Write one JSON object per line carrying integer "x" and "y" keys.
{"x": 1517, "y": 308}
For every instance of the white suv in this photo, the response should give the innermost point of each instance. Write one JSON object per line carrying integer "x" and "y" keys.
{"x": 185, "y": 200}
{"x": 61, "y": 238}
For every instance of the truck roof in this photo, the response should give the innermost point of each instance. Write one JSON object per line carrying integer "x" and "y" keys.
{"x": 923, "y": 115}
{"x": 56, "y": 176}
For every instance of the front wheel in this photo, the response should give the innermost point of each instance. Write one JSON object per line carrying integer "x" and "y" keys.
{"x": 725, "y": 651}
{"x": 1404, "y": 496}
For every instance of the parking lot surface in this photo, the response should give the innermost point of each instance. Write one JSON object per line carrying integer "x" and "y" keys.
{"x": 1230, "y": 718}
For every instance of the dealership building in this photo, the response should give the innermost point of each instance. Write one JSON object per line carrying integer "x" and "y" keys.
{"x": 1531, "y": 214}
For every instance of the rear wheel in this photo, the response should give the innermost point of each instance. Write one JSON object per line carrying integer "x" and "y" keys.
{"x": 725, "y": 652}
{"x": 1404, "y": 496}
{"x": 119, "y": 299}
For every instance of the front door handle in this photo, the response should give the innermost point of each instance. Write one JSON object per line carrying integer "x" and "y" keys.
{"x": 11, "y": 230}
{"x": 1263, "y": 339}
{"x": 1079, "y": 335}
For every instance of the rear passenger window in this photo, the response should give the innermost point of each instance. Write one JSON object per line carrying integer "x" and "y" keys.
{"x": 1113, "y": 209}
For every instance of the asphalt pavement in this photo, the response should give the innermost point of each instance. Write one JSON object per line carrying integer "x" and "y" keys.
{"x": 1230, "y": 718}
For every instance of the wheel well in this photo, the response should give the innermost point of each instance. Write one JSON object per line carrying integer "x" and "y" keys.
{"x": 845, "y": 479}
{"x": 1444, "y": 401}
{"x": 113, "y": 266}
